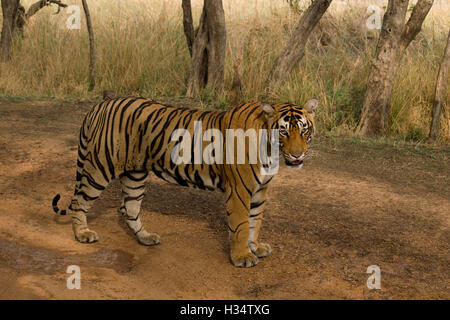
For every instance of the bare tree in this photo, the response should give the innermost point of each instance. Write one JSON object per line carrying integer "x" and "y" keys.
{"x": 295, "y": 49}
{"x": 441, "y": 88}
{"x": 10, "y": 10}
{"x": 395, "y": 36}
{"x": 208, "y": 47}
{"x": 15, "y": 18}
{"x": 91, "y": 46}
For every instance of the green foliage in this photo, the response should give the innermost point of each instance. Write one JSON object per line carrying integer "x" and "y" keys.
{"x": 415, "y": 134}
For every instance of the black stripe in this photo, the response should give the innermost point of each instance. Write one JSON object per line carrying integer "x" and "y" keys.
{"x": 199, "y": 181}
{"x": 140, "y": 229}
{"x": 100, "y": 165}
{"x": 110, "y": 163}
{"x": 239, "y": 197}
{"x": 256, "y": 205}
{"x": 234, "y": 231}
{"x": 250, "y": 192}
{"x": 135, "y": 188}
{"x": 114, "y": 110}
{"x": 250, "y": 113}
{"x": 179, "y": 178}
{"x": 129, "y": 175}
{"x": 255, "y": 215}
{"x": 91, "y": 181}
{"x": 255, "y": 175}
{"x": 80, "y": 155}
{"x": 122, "y": 112}
{"x": 86, "y": 197}
{"x": 265, "y": 183}
{"x": 132, "y": 219}
{"x": 137, "y": 198}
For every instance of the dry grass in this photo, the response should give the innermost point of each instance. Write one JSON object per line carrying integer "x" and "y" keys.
{"x": 142, "y": 50}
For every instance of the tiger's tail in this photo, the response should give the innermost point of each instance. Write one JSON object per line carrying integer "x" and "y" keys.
{"x": 55, "y": 206}
{"x": 82, "y": 150}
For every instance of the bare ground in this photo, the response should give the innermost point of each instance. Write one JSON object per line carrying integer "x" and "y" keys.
{"x": 354, "y": 204}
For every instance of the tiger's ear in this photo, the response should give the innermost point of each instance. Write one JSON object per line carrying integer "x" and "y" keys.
{"x": 311, "y": 106}
{"x": 268, "y": 111}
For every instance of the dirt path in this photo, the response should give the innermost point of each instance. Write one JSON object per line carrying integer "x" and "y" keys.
{"x": 353, "y": 205}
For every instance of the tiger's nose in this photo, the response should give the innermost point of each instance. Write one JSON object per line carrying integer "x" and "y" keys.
{"x": 297, "y": 154}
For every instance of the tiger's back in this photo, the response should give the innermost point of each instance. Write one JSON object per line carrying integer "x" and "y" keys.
{"x": 134, "y": 134}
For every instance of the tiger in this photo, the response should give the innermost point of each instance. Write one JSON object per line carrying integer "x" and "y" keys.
{"x": 130, "y": 137}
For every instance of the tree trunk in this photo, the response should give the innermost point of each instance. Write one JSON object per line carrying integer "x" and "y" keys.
{"x": 394, "y": 38}
{"x": 295, "y": 50}
{"x": 208, "y": 50}
{"x": 10, "y": 11}
{"x": 188, "y": 25}
{"x": 91, "y": 46}
{"x": 197, "y": 78}
{"x": 236, "y": 86}
{"x": 440, "y": 93}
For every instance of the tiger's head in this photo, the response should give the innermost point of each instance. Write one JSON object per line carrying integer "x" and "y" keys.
{"x": 296, "y": 129}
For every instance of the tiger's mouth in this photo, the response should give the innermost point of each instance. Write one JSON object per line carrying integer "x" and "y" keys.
{"x": 291, "y": 161}
{"x": 294, "y": 163}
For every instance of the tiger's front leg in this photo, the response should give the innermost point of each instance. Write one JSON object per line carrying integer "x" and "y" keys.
{"x": 238, "y": 209}
{"x": 258, "y": 202}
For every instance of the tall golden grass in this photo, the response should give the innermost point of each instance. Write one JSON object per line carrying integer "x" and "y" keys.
{"x": 141, "y": 49}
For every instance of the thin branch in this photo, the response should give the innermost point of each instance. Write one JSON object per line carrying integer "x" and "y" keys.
{"x": 295, "y": 49}
{"x": 440, "y": 92}
{"x": 91, "y": 46}
{"x": 35, "y": 7}
{"x": 414, "y": 24}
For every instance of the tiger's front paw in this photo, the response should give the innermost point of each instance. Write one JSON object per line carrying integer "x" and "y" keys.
{"x": 261, "y": 249}
{"x": 245, "y": 260}
{"x": 86, "y": 236}
{"x": 148, "y": 238}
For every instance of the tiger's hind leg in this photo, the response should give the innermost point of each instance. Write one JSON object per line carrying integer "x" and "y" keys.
{"x": 86, "y": 193}
{"x": 133, "y": 191}
{"x": 87, "y": 190}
